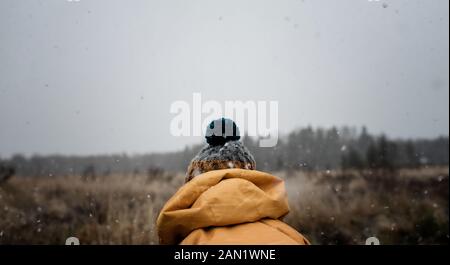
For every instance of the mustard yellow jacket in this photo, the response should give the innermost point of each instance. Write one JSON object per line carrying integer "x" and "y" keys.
{"x": 229, "y": 206}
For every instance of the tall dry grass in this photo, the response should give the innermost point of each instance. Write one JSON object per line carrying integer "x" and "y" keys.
{"x": 403, "y": 207}
{"x": 105, "y": 210}
{"x": 406, "y": 207}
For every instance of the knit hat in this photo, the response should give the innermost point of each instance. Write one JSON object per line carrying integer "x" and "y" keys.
{"x": 224, "y": 150}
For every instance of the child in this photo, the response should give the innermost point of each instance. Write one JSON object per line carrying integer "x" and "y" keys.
{"x": 225, "y": 200}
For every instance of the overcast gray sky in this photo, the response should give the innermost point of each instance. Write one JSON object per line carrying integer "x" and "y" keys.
{"x": 98, "y": 76}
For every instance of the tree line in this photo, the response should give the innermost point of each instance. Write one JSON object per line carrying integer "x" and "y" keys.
{"x": 303, "y": 149}
{"x": 349, "y": 148}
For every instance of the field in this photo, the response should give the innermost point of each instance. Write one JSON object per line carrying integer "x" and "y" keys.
{"x": 331, "y": 207}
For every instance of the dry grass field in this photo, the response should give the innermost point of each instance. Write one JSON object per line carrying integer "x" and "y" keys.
{"x": 403, "y": 207}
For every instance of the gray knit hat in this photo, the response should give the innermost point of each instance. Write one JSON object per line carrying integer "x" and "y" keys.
{"x": 224, "y": 150}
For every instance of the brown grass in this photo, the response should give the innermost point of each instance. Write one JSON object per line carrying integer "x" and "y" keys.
{"x": 408, "y": 207}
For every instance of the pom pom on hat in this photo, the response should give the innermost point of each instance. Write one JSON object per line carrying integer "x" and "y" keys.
{"x": 221, "y": 131}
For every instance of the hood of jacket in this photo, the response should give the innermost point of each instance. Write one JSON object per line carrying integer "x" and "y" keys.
{"x": 221, "y": 198}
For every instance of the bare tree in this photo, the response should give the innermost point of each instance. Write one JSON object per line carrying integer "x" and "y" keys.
{"x": 6, "y": 172}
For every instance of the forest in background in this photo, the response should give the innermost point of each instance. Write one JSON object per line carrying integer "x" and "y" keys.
{"x": 308, "y": 149}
